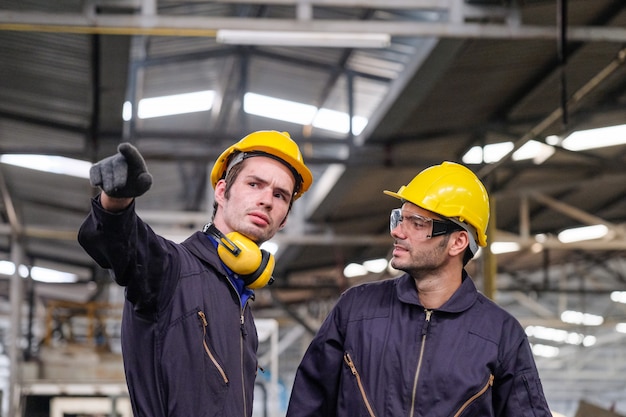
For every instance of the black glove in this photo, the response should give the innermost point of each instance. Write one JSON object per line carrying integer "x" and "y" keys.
{"x": 123, "y": 175}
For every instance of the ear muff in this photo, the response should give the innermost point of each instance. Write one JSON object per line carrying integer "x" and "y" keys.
{"x": 244, "y": 257}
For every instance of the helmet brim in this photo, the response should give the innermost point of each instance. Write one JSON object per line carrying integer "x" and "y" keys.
{"x": 393, "y": 194}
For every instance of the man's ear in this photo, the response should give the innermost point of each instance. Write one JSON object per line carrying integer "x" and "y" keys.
{"x": 459, "y": 241}
{"x": 220, "y": 191}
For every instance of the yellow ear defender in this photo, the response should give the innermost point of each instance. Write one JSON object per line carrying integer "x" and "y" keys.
{"x": 244, "y": 257}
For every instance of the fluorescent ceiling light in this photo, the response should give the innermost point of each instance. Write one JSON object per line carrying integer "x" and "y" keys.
{"x": 48, "y": 163}
{"x": 337, "y": 121}
{"x": 504, "y": 247}
{"x": 560, "y": 336}
{"x": 393, "y": 271}
{"x": 50, "y": 275}
{"x": 170, "y": 105}
{"x": 302, "y": 114}
{"x": 127, "y": 111}
{"x": 271, "y": 247}
{"x": 488, "y": 154}
{"x": 545, "y": 350}
{"x": 376, "y": 266}
{"x": 596, "y": 138}
{"x": 354, "y": 270}
{"x": 553, "y": 140}
{"x": 537, "y": 151}
{"x": 577, "y": 317}
{"x": 474, "y": 155}
{"x": 618, "y": 297}
{"x": 38, "y": 273}
{"x": 295, "y": 38}
{"x": 620, "y": 327}
{"x": 578, "y": 234}
{"x": 278, "y": 109}
{"x": 8, "y": 268}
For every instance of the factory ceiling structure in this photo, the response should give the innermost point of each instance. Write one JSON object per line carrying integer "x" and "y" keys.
{"x": 373, "y": 91}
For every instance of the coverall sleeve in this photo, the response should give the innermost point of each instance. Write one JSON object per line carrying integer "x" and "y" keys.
{"x": 139, "y": 259}
{"x": 316, "y": 384}
{"x": 518, "y": 391}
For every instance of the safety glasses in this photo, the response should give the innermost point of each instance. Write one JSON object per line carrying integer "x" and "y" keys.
{"x": 420, "y": 226}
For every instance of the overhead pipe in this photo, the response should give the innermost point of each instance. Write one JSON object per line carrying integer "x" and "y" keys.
{"x": 562, "y": 53}
{"x": 196, "y": 26}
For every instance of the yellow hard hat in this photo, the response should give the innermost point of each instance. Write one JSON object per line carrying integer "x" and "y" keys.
{"x": 453, "y": 191}
{"x": 277, "y": 145}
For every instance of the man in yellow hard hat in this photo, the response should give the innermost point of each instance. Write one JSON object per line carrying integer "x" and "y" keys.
{"x": 189, "y": 340}
{"x": 426, "y": 343}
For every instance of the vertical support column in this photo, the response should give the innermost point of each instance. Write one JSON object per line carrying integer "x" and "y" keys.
{"x": 16, "y": 297}
{"x": 561, "y": 21}
{"x": 524, "y": 219}
{"x": 350, "y": 94}
{"x": 148, "y": 7}
{"x": 273, "y": 391}
{"x": 244, "y": 65}
{"x": 134, "y": 89}
{"x": 304, "y": 10}
{"x": 267, "y": 330}
{"x": 490, "y": 265}
{"x": 455, "y": 11}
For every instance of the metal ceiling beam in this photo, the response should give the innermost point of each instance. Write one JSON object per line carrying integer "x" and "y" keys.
{"x": 551, "y": 242}
{"x": 328, "y": 238}
{"x": 202, "y": 26}
{"x": 574, "y": 102}
{"x": 378, "y": 4}
{"x": 387, "y": 4}
{"x": 573, "y": 212}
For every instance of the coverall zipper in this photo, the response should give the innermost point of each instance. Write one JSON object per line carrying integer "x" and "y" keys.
{"x": 475, "y": 396}
{"x": 348, "y": 360}
{"x": 243, "y": 335}
{"x": 205, "y": 323}
{"x": 419, "y": 361}
{"x": 243, "y": 377}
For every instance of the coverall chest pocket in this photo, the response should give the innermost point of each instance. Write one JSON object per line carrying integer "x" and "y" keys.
{"x": 363, "y": 405}
{"x": 479, "y": 403}
{"x": 192, "y": 374}
{"x": 215, "y": 367}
